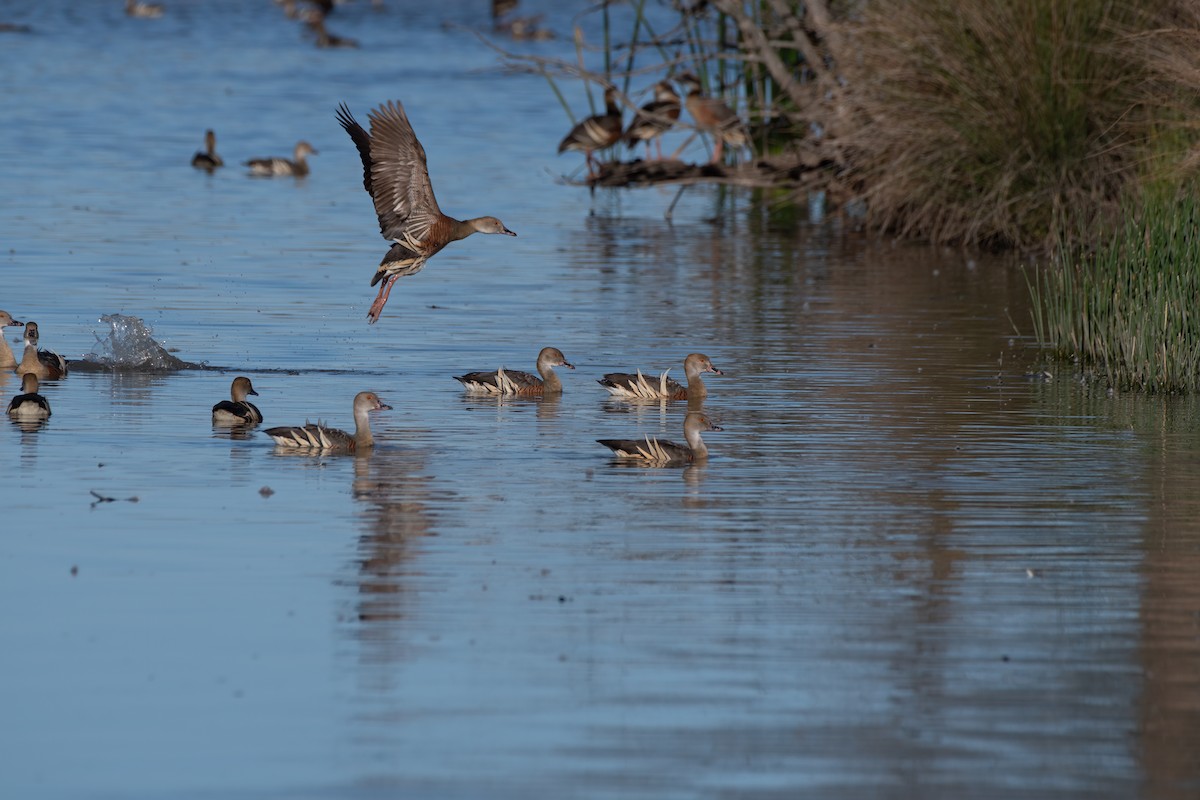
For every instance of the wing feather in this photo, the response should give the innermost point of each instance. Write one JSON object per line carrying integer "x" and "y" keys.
{"x": 400, "y": 184}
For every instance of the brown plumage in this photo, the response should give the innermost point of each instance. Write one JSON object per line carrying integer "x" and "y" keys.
{"x": 297, "y": 167}
{"x": 504, "y": 382}
{"x": 208, "y": 158}
{"x": 319, "y": 438}
{"x": 654, "y": 119}
{"x": 397, "y": 178}
{"x": 502, "y": 7}
{"x": 596, "y": 132}
{"x": 29, "y": 405}
{"x": 139, "y": 10}
{"x": 623, "y": 384}
{"x": 237, "y": 410}
{"x": 314, "y": 18}
{"x": 654, "y": 452}
{"x": 46, "y": 364}
{"x": 7, "y": 359}
{"x": 713, "y": 116}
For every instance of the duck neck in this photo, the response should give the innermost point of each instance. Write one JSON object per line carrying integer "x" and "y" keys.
{"x": 699, "y": 449}
{"x": 29, "y": 360}
{"x": 461, "y": 229}
{"x": 362, "y": 430}
{"x": 550, "y": 381}
{"x": 696, "y": 386}
{"x": 7, "y": 359}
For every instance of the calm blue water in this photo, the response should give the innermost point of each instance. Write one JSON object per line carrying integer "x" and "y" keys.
{"x": 907, "y": 571}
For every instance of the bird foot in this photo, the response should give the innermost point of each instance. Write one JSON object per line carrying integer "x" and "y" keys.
{"x": 385, "y": 289}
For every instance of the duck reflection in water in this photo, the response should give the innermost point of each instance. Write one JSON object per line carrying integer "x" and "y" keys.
{"x": 394, "y": 488}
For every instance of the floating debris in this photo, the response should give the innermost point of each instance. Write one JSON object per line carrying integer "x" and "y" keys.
{"x": 101, "y": 498}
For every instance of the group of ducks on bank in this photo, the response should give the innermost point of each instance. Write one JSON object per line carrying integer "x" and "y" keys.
{"x": 36, "y": 364}
{"x": 654, "y": 119}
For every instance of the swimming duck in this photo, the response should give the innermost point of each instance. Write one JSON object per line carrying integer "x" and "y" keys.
{"x": 396, "y": 177}
{"x": 46, "y": 364}
{"x": 712, "y": 115}
{"x": 238, "y": 411}
{"x": 29, "y": 405}
{"x": 7, "y": 359}
{"x": 502, "y": 7}
{"x": 139, "y": 10}
{"x": 208, "y": 159}
{"x": 317, "y": 437}
{"x": 622, "y": 384}
{"x": 504, "y": 382}
{"x": 596, "y": 132}
{"x": 314, "y": 18}
{"x": 660, "y": 452}
{"x": 297, "y": 167}
{"x": 654, "y": 119}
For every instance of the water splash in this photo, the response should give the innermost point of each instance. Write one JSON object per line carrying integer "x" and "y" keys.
{"x": 129, "y": 345}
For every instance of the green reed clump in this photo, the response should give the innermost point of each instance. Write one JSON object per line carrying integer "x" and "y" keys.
{"x": 1128, "y": 308}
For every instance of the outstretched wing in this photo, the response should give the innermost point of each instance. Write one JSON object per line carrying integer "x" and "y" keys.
{"x": 361, "y": 141}
{"x": 402, "y": 192}
{"x": 394, "y": 172}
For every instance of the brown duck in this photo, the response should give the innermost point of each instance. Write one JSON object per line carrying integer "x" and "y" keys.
{"x": 396, "y": 177}
{"x": 622, "y": 384}
{"x": 507, "y": 383}
{"x": 596, "y": 132}
{"x": 46, "y": 364}
{"x": 713, "y": 116}
{"x": 237, "y": 410}
{"x": 7, "y": 359}
{"x": 322, "y": 439}
{"x": 654, "y": 452}
{"x": 29, "y": 405}
{"x": 208, "y": 158}
{"x": 654, "y": 119}
{"x": 297, "y": 167}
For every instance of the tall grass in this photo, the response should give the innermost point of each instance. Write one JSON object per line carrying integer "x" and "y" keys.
{"x": 1129, "y": 307}
{"x": 996, "y": 122}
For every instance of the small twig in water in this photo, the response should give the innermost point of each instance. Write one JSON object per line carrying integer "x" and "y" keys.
{"x": 100, "y": 498}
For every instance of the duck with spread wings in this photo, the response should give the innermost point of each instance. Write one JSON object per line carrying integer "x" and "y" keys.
{"x": 396, "y": 177}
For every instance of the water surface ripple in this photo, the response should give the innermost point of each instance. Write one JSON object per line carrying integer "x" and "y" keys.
{"x": 908, "y": 570}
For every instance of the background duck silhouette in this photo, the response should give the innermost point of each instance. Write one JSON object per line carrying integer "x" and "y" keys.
{"x": 297, "y": 166}
{"x": 595, "y": 132}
